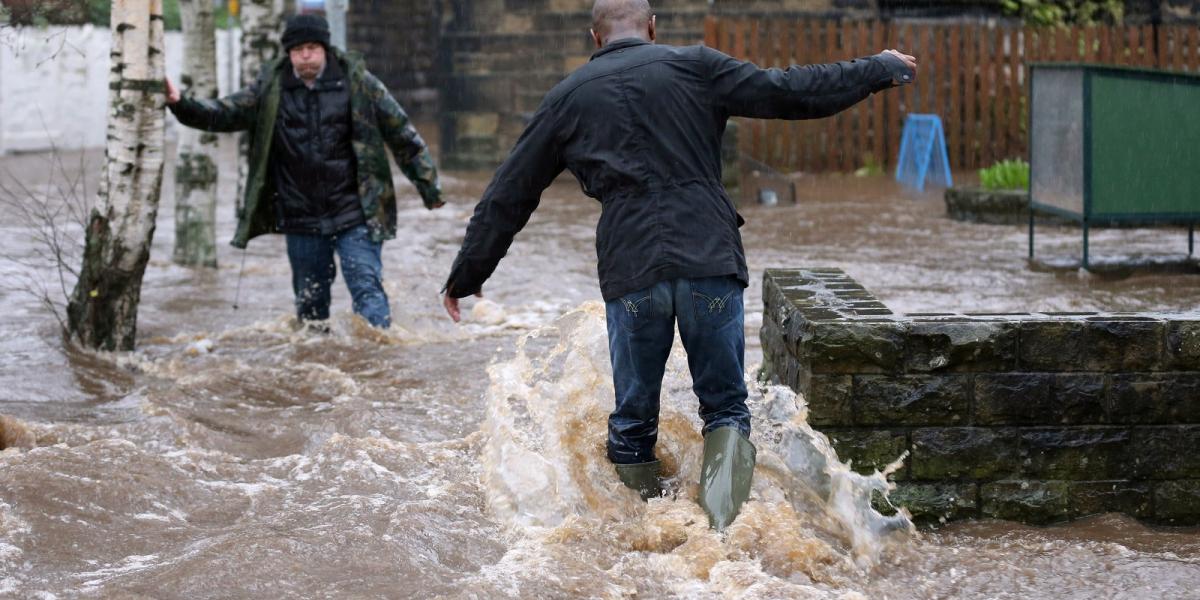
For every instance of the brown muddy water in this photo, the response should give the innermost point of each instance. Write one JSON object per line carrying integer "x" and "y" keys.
{"x": 233, "y": 456}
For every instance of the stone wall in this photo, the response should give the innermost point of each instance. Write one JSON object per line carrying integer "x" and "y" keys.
{"x": 996, "y": 207}
{"x": 500, "y": 57}
{"x": 1034, "y": 417}
{"x": 400, "y": 40}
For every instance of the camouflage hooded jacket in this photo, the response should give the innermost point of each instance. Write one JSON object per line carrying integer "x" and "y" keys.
{"x": 378, "y": 120}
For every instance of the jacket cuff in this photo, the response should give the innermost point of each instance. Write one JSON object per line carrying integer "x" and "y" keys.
{"x": 431, "y": 195}
{"x": 900, "y": 73}
{"x": 185, "y": 111}
{"x": 456, "y": 290}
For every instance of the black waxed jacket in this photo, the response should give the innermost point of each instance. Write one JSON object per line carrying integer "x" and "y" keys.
{"x": 640, "y": 127}
{"x": 314, "y": 171}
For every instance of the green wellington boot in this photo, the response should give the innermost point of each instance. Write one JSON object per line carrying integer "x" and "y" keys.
{"x": 726, "y": 475}
{"x": 641, "y": 478}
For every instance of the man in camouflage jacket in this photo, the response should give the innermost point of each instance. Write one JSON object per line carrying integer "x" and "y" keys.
{"x": 319, "y": 123}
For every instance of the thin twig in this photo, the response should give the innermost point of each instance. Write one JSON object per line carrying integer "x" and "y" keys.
{"x": 53, "y": 215}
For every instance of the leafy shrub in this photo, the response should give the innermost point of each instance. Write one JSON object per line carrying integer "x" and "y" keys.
{"x": 870, "y": 168}
{"x": 99, "y": 11}
{"x": 1006, "y": 175}
{"x": 1066, "y": 12}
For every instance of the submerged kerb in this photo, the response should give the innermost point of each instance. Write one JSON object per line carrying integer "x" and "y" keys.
{"x": 1031, "y": 417}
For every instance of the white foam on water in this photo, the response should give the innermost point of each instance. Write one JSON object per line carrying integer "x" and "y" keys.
{"x": 129, "y": 564}
{"x": 9, "y": 552}
{"x": 809, "y": 517}
{"x": 9, "y": 585}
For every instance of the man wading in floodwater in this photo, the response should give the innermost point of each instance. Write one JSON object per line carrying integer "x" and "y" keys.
{"x": 319, "y": 171}
{"x": 640, "y": 127}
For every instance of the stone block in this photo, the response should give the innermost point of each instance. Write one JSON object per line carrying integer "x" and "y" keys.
{"x": 1155, "y": 398}
{"x": 934, "y": 502}
{"x": 1012, "y": 398}
{"x": 869, "y": 450}
{"x": 572, "y": 63}
{"x": 965, "y": 453}
{"x": 962, "y": 346}
{"x": 515, "y": 23}
{"x": 781, "y": 278}
{"x": 1080, "y": 399}
{"x": 477, "y": 92}
{"x": 1075, "y": 453}
{"x": 480, "y": 125}
{"x": 852, "y": 347}
{"x": 1182, "y": 394}
{"x": 771, "y": 338}
{"x": 977, "y": 205}
{"x": 1104, "y": 346}
{"x": 797, "y": 376}
{"x": 1118, "y": 345}
{"x": 911, "y": 400}
{"x": 1036, "y": 502}
{"x": 777, "y": 309}
{"x": 1165, "y": 452}
{"x": 799, "y": 297}
{"x": 1177, "y": 502}
{"x": 1183, "y": 345}
{"x": 1098, "y": 497}
{"x": 1039, "y": 399}
{"x": 829, "y": 402}
{"x": 1052, "y": 346}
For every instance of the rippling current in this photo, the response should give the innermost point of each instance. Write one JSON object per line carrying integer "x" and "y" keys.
{"x": 234, "y": 455}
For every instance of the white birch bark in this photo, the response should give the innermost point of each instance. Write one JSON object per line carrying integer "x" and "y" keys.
{"x": 196, "y": 160}
{"x": 103, "y": 309}
{"x": 262, "y": 26}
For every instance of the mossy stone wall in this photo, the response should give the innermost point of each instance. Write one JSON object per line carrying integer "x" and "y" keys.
{"x": 1034, "y": 417}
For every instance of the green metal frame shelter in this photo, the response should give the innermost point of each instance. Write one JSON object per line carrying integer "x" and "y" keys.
{"x": 1114, "y": 145}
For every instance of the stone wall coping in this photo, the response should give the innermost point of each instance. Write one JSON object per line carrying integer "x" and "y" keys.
{"x": 828, "y": 294}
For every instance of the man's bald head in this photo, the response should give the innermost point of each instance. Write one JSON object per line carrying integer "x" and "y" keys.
{"x": 620, "y": 17}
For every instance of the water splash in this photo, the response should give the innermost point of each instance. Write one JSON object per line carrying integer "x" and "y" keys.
{"x": 16, "y": 434}
{"x": 547, "y": 475}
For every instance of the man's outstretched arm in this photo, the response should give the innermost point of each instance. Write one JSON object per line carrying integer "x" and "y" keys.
{"x": 804, "y": 92}
{"x": 235, "y": 112}
{"x": 507, "y": 204}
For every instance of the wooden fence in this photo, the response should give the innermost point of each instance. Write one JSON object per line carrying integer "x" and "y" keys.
{"x": 972, "y": 75}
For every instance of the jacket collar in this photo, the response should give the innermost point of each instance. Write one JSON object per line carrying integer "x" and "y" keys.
{"x": 329, "y": 77}
{"x": 619, "y": 45}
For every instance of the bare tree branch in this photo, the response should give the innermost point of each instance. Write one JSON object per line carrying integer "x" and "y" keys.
{"x": 53, "y": 214}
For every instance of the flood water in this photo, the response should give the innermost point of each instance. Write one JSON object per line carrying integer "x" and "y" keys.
{"x": 236, "y": 456}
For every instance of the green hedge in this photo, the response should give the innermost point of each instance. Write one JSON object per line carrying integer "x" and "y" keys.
{"x": 97, "y": 12}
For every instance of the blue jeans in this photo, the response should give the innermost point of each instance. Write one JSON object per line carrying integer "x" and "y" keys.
{"x": 641, "y": 329}
{"x": 313, "y": 272}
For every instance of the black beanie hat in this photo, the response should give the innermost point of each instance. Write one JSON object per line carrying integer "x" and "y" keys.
{"x": 305, "y": 28}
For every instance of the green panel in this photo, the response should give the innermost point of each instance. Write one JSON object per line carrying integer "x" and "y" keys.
{"x": 1145, "y": 145}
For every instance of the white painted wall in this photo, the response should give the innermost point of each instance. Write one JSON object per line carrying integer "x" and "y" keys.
{"x": 54, "y": 84}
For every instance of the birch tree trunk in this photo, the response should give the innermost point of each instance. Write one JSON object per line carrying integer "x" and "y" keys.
{"x": 196, "y": 163}
{"x": 102, "y": 312}
{"x": 262, "y": 25}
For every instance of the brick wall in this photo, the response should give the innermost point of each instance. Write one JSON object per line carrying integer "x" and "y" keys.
{"x": 400, "y": 40}
{"x": 500, "y": 57}
{"x": 1035, "y": 417}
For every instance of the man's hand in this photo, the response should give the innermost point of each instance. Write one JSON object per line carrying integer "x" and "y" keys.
{"x": 909, "y": 61}
{"x": 173, "y": 95}
{"x": 451, "y": 304}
